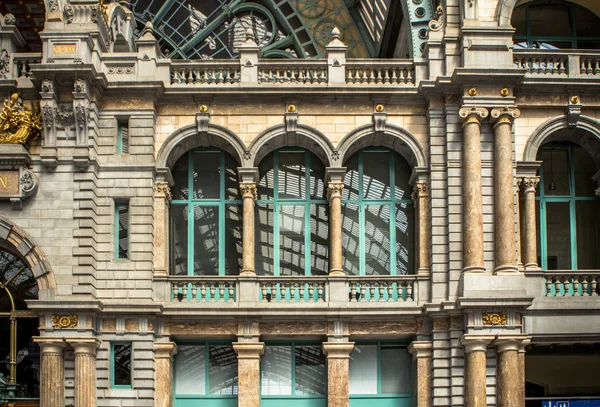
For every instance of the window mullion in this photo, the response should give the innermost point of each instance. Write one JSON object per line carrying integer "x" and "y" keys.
{"x": 572, "y": 210}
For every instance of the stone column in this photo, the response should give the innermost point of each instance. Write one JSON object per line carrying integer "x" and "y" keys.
{"x": 422, "y": 352}
{"x": 475, "y": 370}
{"x": 523, "y": 375}
{"x": 529, "y": 233}
{"x": 472, "y": 191}
{"x": 518, "y": 226}
{"x": 338, "y": 372}
{"x": 248, "y": 190}
{"x": 52, "y": 378}
{"x": 84, "y": 350}
{"x": 249, "y": 372}
{"x": 162, "y": 198}
{"x": 509, "y": 375}
{"x": 334, "y": 195}
{"x": 163, "y": 365}
{"x": 421, "y": 196}
{"x": 504, "y": 192}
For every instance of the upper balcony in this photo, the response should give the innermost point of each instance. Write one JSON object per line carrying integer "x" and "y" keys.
{"x": 558, "y": 66}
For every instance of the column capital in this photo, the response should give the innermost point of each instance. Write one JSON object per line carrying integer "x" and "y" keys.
{"x": 50, "y": 345}
{"x": 84, "y": 346}
{"x": 420, "y": 190}
{"x": 165, "y": 350}
{"x": 529, "y": 183}
{"x": 472, "y": 114}
{"x": 476, "y": 343}
{"x": 248, "y": 190}
{"x": 249, "y": 350}
{"x": 248, "y": 174}
{"x": 505, "y": 344}
{"x": 162, "y": 189}
{"x": 505, "y": 114}
{"x": 524, "y": 343}
{"x": 338, "y": 350}
{"x": 334, "y": 190}
{"x": 421, "y": 349}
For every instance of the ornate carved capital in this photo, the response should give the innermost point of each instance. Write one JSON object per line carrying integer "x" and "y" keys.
{"x": 163, "y": 189}
{"x": 530, "y": 184}
{"x": 248, "y": 190}
{"x": 334, "y": 190}
{"x": 505, "y": 114}
{"x": 472, "y": 114}
{"x": 420, "y": 190}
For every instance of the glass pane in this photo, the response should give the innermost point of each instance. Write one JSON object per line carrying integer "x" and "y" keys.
{"x": 263, "y": 239}
{"x": 402, "y": 174}
{"x": 550, "y": 21}
{"x": 350, "y": 239}
{"x": 587, "y": 23}
{"x": 351, "y": 179}
{"x": 179, "y": 239}
{"x": 518, "y": 21}
{"x": 233, "y": 239}
{"x": 551, "y": 44}
{"x": 122, "y": 364}
{"x": 222, "y": 370}
{"x": 395, "y": 368}
{"x": 190, "y": 370}
{"x": 558, "y": 233}
{"x": 555, "y": 168}
{"x": 180, "y": 176}
{"x": 377, "y": 239}
{"x": 317, "y": 176}
{"x": 23, "y": 286}
{"x": 376, "y": 175}
{"x": 319, "y": 239}
{"x": 206, "y": 240}
{"x": 123, "y": 231}
{"x": 584, "y": 171}
{"x": 311, "y": 375}
{"x": 231, "y": 178}
{"x": 588, "y": 234}
{"x": 404, "y": 238}
{"x": 276, "y": 371}
{"x": 588, "y": 44}
{"x": 291, "y": 240}
{"x": 363, "y": 370}
{"x": 292, "y": 175}
{"x": 207, "y": 177}
{"x": 266, "y": 184}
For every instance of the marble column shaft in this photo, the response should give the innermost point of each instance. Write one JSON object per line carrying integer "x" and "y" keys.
{"x": 249, "y": 196}
{"x": 522, "y": 374}
{"x": 509, "y": 375}
{"x": 84, "y": 350}
{"x": 162, "y": 197}
{"x": 334, "y": 195}
{"x": 529, "y": 233}
{"x": 421, "y": 192}
{"x": 472, "y": 189}
{"x": 52, "y": 378}
{"x": 249, "y": 354}
{"x": 422, "y": 353}
{"x": 504, "y": 191}
{"x": 475, "y": 370}
{"x": 163, "y": 365}
{"x": 338, "y": 372}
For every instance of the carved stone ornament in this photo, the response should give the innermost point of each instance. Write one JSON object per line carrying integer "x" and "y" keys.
{"x": 52, "y": 5}
{"x": 10, "y": 19}
{"x": 4, "y": 64}
{"x": 473, "y": 114}
{"x": 379, "y": 121}
{"x": 335, "y": 155}
{"x": 439, "y": 19}
{"x": 494, "y": 318}
{"x": 421, "y": 189}
{"x": 248, "y": 190}
{"x": 202, "y": 122}
{"x": 162, "y": 188}
{"x": 291, "y": 122}
{"x": 505, "y": 114}
{"x": 47, "y": 86}
{"x": 64, "y": 321}
{"x": 530, "y": 183}
{"x": 573, "y": 111}
{"x": 69, "y": 13}
{"x": 334, "y": 190}
{"x": 18, "y": 122}
{"x": 80, "y": 86}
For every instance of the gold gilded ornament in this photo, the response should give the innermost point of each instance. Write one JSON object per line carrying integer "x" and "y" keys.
{"x": 504, "y": 92}
{"x": 64, "y": 321}
{"x": 19, "y": 123}
{"x": 574, "y": 99}
{"x": 379, "y": 108}
{"x": 472, "y": 92}
{"x": 494, "y": 318}
{"x": 291, "y": 108}
{"x": 203, "y": 109}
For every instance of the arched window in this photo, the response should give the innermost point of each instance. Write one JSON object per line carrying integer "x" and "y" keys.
{"x": 569, "y": 211}
{"x": 292, "y": 227}
{"x": 377, "y": 214}
{"x": 552, "y": 24}
{"x": 206, "y": 215}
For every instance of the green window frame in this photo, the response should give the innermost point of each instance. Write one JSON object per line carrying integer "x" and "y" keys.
{"x": 314, "y": 219}
{"x": 295, "y": 398}
{"x": 380, "y": 398}
{"x": 531, "y": 39}
{"x": 188, "y": 206}
{"x": 115, "y": 348}
{"x": 123, "y": 136}
{"x": 354, "y": 196}
{"x": 545, "y": 197}
{"x": 122, "y": 222}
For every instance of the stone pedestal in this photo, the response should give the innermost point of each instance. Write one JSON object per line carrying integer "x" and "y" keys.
{"x": 163, "y": 364}
{"x": 472, "y": 190}
{"x": 52, "y": 378}
{"x": 248, "y": 190}
{"x": 338, "y": 372}
{"x": 422, "y": 352}
{"x": 84, "y": 350}
{"x": 504, "y": 208}
{"x": 510, "y": 380}
{"x": 475, "y": 369}
{"x": 529, "y": 234}
{"x": 249, "y": 354}
{"x": 334, "y": 194}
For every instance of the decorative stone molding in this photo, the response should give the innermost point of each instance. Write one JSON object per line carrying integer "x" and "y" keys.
{"x": 338, "y": 350}
{"x": 4, "y": 64}
{"x": 476, "y": 343}
{"x": 420, "y": 190}
{"x": 202, "y": 122}
{"x": 494, "y": 318}
{"x": 573, "y": 111}
{"x": 439, "y": 19}
{"x": 530, "y": 184}
{"x": 69, "y": 13}
{"x": 249, "y": 350}
{"x": 334, "y": 190}
{"x": 120, "y": 69}
{"x": 472, "y": 114}
{"x": 52, "y": 5}
{"x": 421, "y": 349}
{"x": 248, "y": 190}
{"x": 64, "y": 321}
{"x": 505, "y": 115}
{"x": 17, "y": 182}
{"x": 10, "y": 19}
{"x": 291, "y": 121}
{"x": 163, "y": 189}
{"x": 379, "y": 121}
{"x": 19, "y": 122}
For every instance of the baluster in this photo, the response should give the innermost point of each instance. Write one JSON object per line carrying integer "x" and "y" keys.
{"x": 371, "y": 291}
{"x": 371, "y": 76}
{"x": 270, "y": 293}
{"x": 221, "y": 291}
{"x": 349, "y": 76}
{"x": 557, "y": 284}
{"x": 263, "y": 290}
{"x": 203, "y": 292}
{"x": 402, "y": 79}
{"x": 174, "y": 290}
{"x": 302, "y": 285}
{"x": 353, "y": 291}
{"x": 381, "y": 289}
{"x": 282, "y": 290}
{"x": 320, "y": 292}
{"x": 205, "y": 78}
{"x": 409, "y": 291}
{"x": 596, "y": 67}
{"x": 194, "y": 292}
{"x": 293, "y": 292}
{"x": 394, "y": 79}
{"x": 311, "y": 292}
{"x": 196, "y": 77}
{"x": 576, "y": 286}
{"x": 323, "y": 77}
{"x": 386, "y": 77}
{"x": 548, "y": 286}
{"x": 231, "y": 291}
{"x": 212, "y": 292}
{"x": 594, "y": 286}
{"x": 562, "y": 69}
{"x": 188, "y": 76}
{"x": 400, "y": 290}
{"x": 226, "y": 76}
{"x": 589, "y": 67}
{"x": 378, "y": 78}
{"x": 390, "y": 290}
{"x": 585, "y": 285}
{"x": 567, "y": 285}
{"x": 184, "y": 291}
{"x": 409, "y": 74}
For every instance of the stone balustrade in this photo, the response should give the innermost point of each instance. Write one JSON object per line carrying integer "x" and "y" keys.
{"x": 569, "y": 284}
{"x": 203, "y": 289}
{"x": 305, "y": 72}
{"x": 558, "y": 63}
{"x": 292, "y": 289}
{"x": 21, "y": 64}
{"x": 392, "y": 289}
{"x": 205, "y": 73}
{"x": 380, "y": 72}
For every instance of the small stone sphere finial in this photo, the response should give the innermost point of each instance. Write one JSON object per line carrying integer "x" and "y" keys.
{"x": 249, "y": 34}
{"x": 149, "y": 26}
{"x": 336, "y": 34}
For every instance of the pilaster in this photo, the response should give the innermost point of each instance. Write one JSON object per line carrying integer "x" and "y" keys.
{"x": 52, "y": 378}
{"x": 163, "y": 363}
{"x": 422, "y": 352}
{"x": 249, "y": 354}
{"x": 475, "y": 369}
{"x": 84, "y": 350}
{"x": 338, "y": 372}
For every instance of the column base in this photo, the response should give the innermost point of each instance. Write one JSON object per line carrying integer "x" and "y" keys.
{"x": 248, "y": 273}
{"x": 474, "y": 269}
{"x": 506, "y": 269}
{"x": 532, "y": 266}
{"x": 336, "y": 272}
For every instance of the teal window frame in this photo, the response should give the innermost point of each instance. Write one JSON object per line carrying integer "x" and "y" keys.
{"x": 118, "y": 206}
{"x": 122, "y": 124}
{"x": 220, "y": 203}
{"x": 208, "y": 400}
{"x": 572, "y": 38}
{"x": 383, "y": 399}
{"x": 392, "y": 203}
{"x": 277, "y": 203}
{"x": 293, "y": 399}
{"x": 112, "y": 365}
{"x": 572, "y": 199}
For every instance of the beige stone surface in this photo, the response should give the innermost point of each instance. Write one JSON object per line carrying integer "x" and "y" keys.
{"x": 200, "y": 328}
{"x": 338, "y": 371}
{"x": 109, "y": 324}
{"x": 249, "y": 372}
{"x": 294, "y": 329}
{"x": 163, "y": 383}
{"x": 383, "y": 329}
{"x": 475, "y": 385}
{"x": 509, "y": 379}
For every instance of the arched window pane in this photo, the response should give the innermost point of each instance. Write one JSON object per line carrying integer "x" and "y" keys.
{"x": 319, "y": 239}
{"x": 585, "y": 169}
{"x": 291, "y": 175}
{"x": 404, "y": 236}
{"x": 586, "y": 23}
{"x": 233, "y": 239}
{"x": 180, "y": 176}
{"x": 207, "y": 177}
{"x": 376, "y": 175}
{"x": 179, "y": 239}
{"x": 377, "y": 240}
{"x": 550, "y": 21}
{"x": 291, "y": 244}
